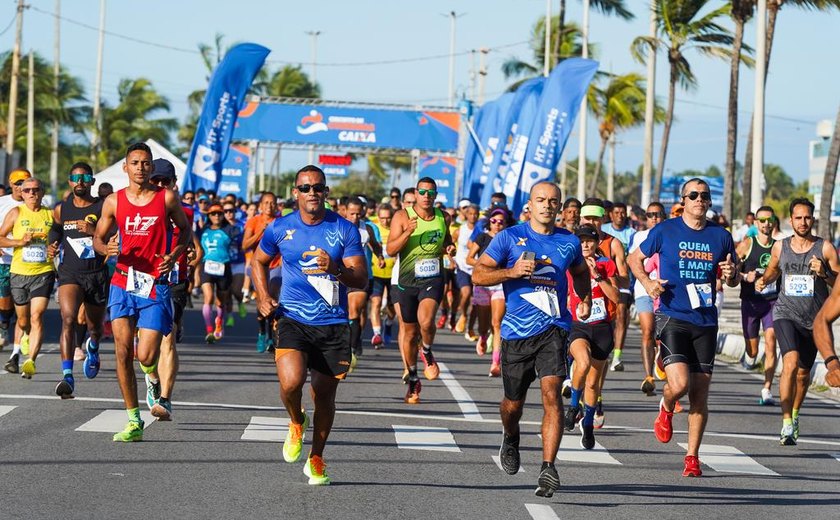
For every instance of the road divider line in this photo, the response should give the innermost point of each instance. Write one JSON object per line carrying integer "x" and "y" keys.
{"x": 424, "y": 438}
{"x": 728, "y": 459}
{"x": 112, "y": 421}
{"x": 6, "y": 409}
{"x": 461, "y": 396}
{"x": 541, "y": 512}
{"x": 266, "y": 429}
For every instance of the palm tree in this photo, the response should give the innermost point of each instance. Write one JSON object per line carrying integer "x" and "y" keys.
{"x": 568, "y": 43}
{"x": 741, "y": 11}
{"x": 829, "y": 180}
{"x": 619, "y": 106}
{"x": 291, "y": 81}
{"x": 773, "y": 8}
{"x": 681, "y": 28}
{"x": 606, "y": 7}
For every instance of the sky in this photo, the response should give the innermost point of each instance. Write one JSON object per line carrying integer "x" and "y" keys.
{"x": 158, "y": 40}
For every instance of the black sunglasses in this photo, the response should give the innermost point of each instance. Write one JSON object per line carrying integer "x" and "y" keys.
{"x": 230, "y": 211}
{"x": 317, "y": 188}
{"x": 161, "y": 181}
{"x": 705, "y": 196}
{"x": 423, "y": 192}
{"x": 655, "y": 214}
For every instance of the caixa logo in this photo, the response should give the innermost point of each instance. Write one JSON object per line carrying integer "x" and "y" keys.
{"x": 139, "y": 225}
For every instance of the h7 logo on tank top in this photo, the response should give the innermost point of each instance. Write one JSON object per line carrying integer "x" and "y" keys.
{"x": 139, "y": 225}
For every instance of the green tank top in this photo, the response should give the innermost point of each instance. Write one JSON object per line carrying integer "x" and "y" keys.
{"x": 420, "y": 259}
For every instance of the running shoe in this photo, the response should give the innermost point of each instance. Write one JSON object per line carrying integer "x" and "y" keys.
{"x": 316, "y": 470}
{"x": 548, "y": 482}
{"x": 766, "y": 398}
{"x": 219, "y": 331}
{"x": 747, "y": 363}
{"x": 432, "y": 370}
{"x": 27, "y": 369}
{"x": 412, "y": 395}
{"x": 405, "y": 376}
{"x": 600, "y": 418}
{"x": 210, "y": 338}
{"x": 354, "y": 360}
{"x": 470, "y": 336}
{"x": 461, "y": 326}
{"x": 24, "y": 344}
{"x": 91, "y": 366}
{"x": 262, "y": 342}
{"x": 386, "y": 335}
{"x": 566, "y": 391}
{"x": 678, "y": 408}
{"x": 617, "y": 365}
{"x": 692, "y": 466}
{"x": 649, "y": 386}
{"x": 133, "y": 432}
{"x": 376, "y": 341}
{"x": 162, "y": 409}
{"x": 662, "y": 427}
{"x": 12, "y": 365}
{"x": 229, "y": 322}
{"x": 441, "y": 322}
{"x": 293, "y": 445}
{"x": 495, "y": 370}
{"x": 659, "y": 368}
{"x": 572, "y": 416}
{"x": 65, "y": 387}
{"x": 796, "y": 428}
{"x": 509, "y": 454}
{"x": 243, "y": 310}
{"x": 152, "y": 392}
{"x": 481, "y": 346}
{"x": 587, "y": 436}
{"x": 78, "y": 354}
{"x": 786, "y": 438}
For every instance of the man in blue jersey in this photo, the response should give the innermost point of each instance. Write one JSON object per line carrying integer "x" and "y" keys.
{"x": 321, "y": 257}
{"x": 531, "y": 261}
{"x": 693, "y": 253}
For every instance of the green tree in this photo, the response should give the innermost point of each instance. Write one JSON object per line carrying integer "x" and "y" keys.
{"x": 607, "y": 7}
{"x": 569, "y": 43}
{"x": 680, "y": 28}
{"x": 291, "y": 81}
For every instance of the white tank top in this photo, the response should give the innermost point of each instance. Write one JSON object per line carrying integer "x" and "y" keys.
{"x": 462, "y": 250}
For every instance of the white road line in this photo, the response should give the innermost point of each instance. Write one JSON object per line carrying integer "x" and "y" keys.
{"x": 6, "y": 409}
{"x": 424, "y": 438}
{"x": 541, "y": 512}
{"x": 571, "y": 451}
{"x": 268, "y": 429}
{"x": 112, "y": 421}
{"x": 498, "y": 462}
{"x": 836, "y": 454}
{"x": 728, "y": 459}
{"x": 465, "y": 402}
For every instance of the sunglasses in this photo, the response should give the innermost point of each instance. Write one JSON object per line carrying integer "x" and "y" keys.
{"x": 81, "y": 177}
{"x": 395, "y": 196}
{"x": 317, "y": 188}
{"x": 497, "y": 221}
{"x": 765, "y": 220}
{"x": 705, "y": 196}
{"x": 18, "y": 183}
{"x": 231, "y": 211}
{"x": 161, "y": 181}
{"x": 31, "y": 190}
{"x": 424, "y": 192}
{"x": 655, "y": 214}
{"x": 215, "y": 214}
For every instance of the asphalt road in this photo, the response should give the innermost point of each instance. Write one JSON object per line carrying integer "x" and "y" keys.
{"x": 221, "y": 456}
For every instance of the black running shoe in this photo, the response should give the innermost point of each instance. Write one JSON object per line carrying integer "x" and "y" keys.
{"x": 12, "y": 365}
{"x": 548, "y": 482}
{"x": 573, "y": 415}
{"x": 65, "y": 387}
{"x": 587, "y": 436}
{"x": 509, "y": 454}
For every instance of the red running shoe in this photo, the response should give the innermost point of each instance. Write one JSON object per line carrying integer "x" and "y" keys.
{"x": 441, "y": 322}
{"x": 692, "y": 466}
{"x": 662, "y": 427}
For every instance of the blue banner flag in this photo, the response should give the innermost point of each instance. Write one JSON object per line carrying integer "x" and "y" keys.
{"x": 235, "y": 172}
{"x": 527, "y": 94}
{"x": 483, "y": 145}
{"x": 537, "y": 152}
{"x": 442, "y": 170}
{"x": 222, "y": 102}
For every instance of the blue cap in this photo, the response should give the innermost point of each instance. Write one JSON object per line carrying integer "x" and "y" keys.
{"x": 163, "y": 168}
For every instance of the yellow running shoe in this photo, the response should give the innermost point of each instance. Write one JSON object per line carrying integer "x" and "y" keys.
{"x": 133, "y": 432}
{"x": 24, "y": 344}
{"x": 293, "y": 445}
{"x": 316, "y": 470}
{"x": 27, "y": 369}
{"x": 353, "y": 362}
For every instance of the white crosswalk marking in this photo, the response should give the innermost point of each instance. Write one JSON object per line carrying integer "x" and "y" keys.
{"x": 6, "y": 409}
{"x": 836, "y": 454}
{"x": 541, "y": 512}
{"x": 112, "y": 421}
{"x": 572, "y": 451}
{"x": 268, "y": 429}
{"x": 728, "y": 459}
{"x": 462, "y": 397}
{"x": 498, "y": 462}
{"x": 424, "y": 438}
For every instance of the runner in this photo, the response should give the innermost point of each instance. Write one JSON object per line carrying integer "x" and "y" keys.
{"x": 409, "y": 200}
{"x": 381, "y": 282}
{"x": 82, "y": 276}
{"x": 591, "y": 339}
{"x": 619, "y": 229}
{"x": 7, "y": 309}
{"x": 531, "y": 260}
{"x": 824, "y": 335}
{"x": 655, "y": 214}
{"x": 807, "y": 265}
{"x": 237, "y": 264}
{"x": 216, "y": 276}
{"x": 571, "y": 214}
{"x": 321, "y": 256}
{"x": 140, "y": 297}
{"x": 254, "y": 229}
{"x": 691, "y": 252}
{"x": 32, "y": 270}
{"x": 757, "y": 308}
{"x": 420, "y": 236}
{"x": 463, "y": 272}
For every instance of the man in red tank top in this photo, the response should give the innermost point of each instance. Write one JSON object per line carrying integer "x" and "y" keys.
{"x": 140, "y": 296}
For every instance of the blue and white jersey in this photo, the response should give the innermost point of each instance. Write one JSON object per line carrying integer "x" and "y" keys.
{"x": 216, "y": 244}
{"x": 538, "y": 302}
{"x": 308, "y": 294}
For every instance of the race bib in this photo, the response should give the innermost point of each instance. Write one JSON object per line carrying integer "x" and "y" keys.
{"x": 36, "y": 254}
{"x": 83, "y": 247}
{"x": 214, "y": 268}
{"x": 328, "y": 289}
{"x": 427, "y": 268}
{"x": 599, "y": 311}
{"x": 700, "y": 295}
{"x": 544, "y": 301}
{"x": 799, "y": 284}
{"x": 139, "y": 283}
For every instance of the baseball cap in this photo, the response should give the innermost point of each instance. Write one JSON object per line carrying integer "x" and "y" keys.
{"x": 677, "y": 210}
{"x": 163, "y": 168}
{"x": 203, "y": 197}
{"x": 587, "y": 231}
{"x": 215, "y": 208}
{"x": 19, "y": 175}
{"x": 465, "y": 203}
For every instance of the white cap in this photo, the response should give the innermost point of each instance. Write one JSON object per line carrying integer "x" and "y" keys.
{"x": 465, "y": 203}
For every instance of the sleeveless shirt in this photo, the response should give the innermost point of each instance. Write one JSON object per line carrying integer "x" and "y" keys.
{"x": 802, "y": 292}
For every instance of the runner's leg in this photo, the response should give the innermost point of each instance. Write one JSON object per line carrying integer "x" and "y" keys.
{"x": 323, "y": 389}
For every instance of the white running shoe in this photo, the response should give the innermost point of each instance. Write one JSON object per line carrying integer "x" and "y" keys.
{"x": 766, "y": 398}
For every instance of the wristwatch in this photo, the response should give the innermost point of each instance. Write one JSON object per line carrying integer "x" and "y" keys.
{"x": 339, "y": 271}
{"x": 598, "y": 279}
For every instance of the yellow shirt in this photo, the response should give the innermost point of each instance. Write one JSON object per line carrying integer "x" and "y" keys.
{"x": 383, "y": 272}
{"x": 32, "y": 260}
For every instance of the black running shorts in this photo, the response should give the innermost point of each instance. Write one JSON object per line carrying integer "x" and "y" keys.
{"x": 409, "y": 298}
{"x": 793, "y": 337}
{"x": 327, "y": 347}
{"x": 598, "y": 335}
{"x": 94, "y": 284}
{"x": 222, "y": 282}
{"x": 524, "y": 360}
{"x": 179, "y": 295}
{"x": 684, "y": 342}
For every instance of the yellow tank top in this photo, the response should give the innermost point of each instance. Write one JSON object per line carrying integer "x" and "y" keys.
{"x": 388, "y": 270}
{"x": 32, "y": 259}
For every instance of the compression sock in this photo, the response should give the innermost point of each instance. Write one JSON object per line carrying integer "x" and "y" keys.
{"x": 355, "y": 334}
{"x": 67, "y": 367}
{"x": 426, "y": 348}
{"x": 575, "y": 399}
{"x": 497, "y": 356}
{"x": 412, "y": 373}
{"x": 787, "y": 422}
{"x": 133, "y": 415}
{"x": 377, "y": 331}
{"x": 795, "y": 413}
{"x": 16, "y": 349}
{"x": 207, "y": 312}
{"x": 220, "y": 312}
{"x": 588, "y": 415}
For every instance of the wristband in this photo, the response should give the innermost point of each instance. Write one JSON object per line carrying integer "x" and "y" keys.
{"x": 829, "y": 359}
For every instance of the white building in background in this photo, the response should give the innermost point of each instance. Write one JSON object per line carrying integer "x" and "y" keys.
{"x": 817, "y": 158}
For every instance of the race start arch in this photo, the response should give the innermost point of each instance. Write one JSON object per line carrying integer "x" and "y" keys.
{"x": 432, "y": 136}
